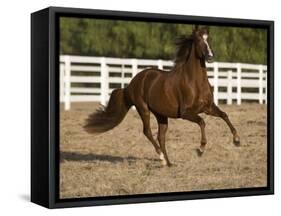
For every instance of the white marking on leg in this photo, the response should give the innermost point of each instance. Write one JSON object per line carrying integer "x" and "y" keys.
{"x": 161, "y": 156}
{"x": 163, "y": 160}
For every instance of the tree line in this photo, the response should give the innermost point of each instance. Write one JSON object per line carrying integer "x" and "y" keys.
{"x": 152, "y": 40}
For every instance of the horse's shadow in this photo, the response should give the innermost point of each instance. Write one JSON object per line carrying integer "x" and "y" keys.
{"x": 73, "y": 156}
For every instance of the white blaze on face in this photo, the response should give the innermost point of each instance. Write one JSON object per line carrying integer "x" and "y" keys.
{"x": 205, "y": 37}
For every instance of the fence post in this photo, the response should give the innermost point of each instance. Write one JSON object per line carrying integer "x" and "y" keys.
{"x": 216, "y": 81}
{"x": 62, "y": 82}
{"x": 238, "y": 83}
{"x": 67, "y": 83}
{"x": 229, "y": 87}
{"x": 134, "y": 67}
{"x": 134, "y": 71}
{"x": 266, "y": 87}
{"x": 160, "y": 64}
{"x": 103, "y": 81}
{"x": 122, "y": 75}
{"x": 260, "y": 84}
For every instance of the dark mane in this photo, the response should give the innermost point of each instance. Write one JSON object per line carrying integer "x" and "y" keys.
{"x": 183, "y": 48}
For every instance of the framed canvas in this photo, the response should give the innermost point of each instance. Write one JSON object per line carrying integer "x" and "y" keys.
{"x": 139, "y": 107}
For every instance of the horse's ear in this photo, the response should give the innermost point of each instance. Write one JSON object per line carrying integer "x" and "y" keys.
{"x": 195, "y": 28}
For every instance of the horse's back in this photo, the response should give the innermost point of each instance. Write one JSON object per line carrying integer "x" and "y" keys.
{"x": 143, "y": 80}
{"x": 152, "y": 88}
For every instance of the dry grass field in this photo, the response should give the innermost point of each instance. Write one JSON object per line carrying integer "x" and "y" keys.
{"x": 122, "y": 161}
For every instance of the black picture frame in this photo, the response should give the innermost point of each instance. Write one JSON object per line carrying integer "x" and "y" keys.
{"x": 45, "y": 107}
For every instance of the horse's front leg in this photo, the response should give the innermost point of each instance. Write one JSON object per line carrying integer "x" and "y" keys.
{"x": 162, "y": 129}
{"x": 215, "y": 111}
{"x": 200, "y": 121}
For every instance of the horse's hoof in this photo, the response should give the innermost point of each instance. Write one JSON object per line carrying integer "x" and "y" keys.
{"x": 236, "y": 141}
{"x": 166, "y": 164}
{"x": 169, "y": 164}
{"x": 199, "y": 152}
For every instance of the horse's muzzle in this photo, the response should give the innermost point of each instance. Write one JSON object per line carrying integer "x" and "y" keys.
{"x": 209, "y": 59}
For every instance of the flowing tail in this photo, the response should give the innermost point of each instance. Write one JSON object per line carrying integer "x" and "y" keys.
{"x": 110, "y": 116}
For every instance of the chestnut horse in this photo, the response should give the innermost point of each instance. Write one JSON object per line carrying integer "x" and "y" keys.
{"x": 184, "y": 92}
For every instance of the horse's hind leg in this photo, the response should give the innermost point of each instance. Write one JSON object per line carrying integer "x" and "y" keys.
{"x": 200, "y": 121}
{"x": 145, "y": 116}
{"x": 215, "y": 111}
{"x": 162, "y": 129}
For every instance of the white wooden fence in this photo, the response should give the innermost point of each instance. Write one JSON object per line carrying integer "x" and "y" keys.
{"x": 93, "y": 78}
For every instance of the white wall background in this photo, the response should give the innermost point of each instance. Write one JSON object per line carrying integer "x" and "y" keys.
{"x": 15, "y": 106}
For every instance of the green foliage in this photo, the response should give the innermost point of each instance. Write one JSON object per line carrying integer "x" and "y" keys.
{"x": 129, "y": 39}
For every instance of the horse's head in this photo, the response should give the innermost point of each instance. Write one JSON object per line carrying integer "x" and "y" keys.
{"x": 202, "y": 48}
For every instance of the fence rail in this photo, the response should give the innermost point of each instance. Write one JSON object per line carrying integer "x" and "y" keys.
{"x": 93, "y": 78}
